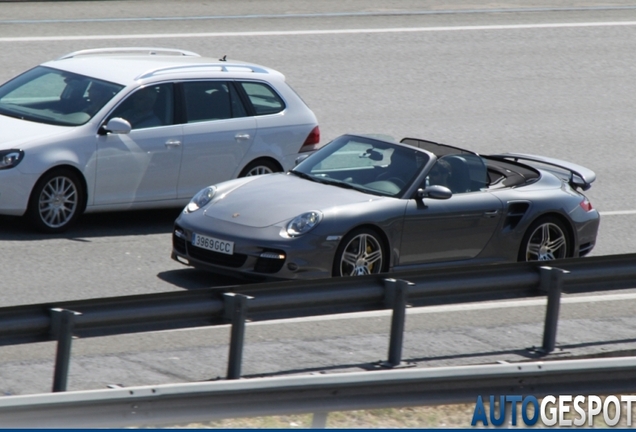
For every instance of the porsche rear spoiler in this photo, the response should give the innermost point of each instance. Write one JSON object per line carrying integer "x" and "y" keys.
{"x": 579, "y": 176}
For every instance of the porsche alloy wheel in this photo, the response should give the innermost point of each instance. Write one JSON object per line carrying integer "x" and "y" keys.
{"x": 360, "y": 253}
{"x": 56, "y": 202}
{"x": 546, "y": 240}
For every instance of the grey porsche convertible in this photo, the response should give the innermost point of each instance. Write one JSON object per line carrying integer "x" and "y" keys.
{"x": 362, "y": 205}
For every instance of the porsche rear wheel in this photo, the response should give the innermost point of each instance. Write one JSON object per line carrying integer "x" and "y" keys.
{"x": 57, "y": 201}
{"x": 360, "y": 253}
{"x": 547, "y": 239}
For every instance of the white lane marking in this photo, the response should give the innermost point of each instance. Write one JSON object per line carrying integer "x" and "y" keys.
{"x": 617, "y": 212}
{"x": 325, "y": 14}
{"x": 434, "y": 309}
{"x": 317, "y": 32}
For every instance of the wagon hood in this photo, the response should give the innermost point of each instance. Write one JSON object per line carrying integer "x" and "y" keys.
{"x": 17, "y": 133}
{"x": 275, "y": 198}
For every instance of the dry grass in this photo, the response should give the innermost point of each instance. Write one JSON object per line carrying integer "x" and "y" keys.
{"x": 442, "y": 416}
{"x": 451, "y": 416}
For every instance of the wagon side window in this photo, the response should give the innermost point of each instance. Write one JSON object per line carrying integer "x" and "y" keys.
{"x": 147, "y": 107}
{"x": 263, "y": 98}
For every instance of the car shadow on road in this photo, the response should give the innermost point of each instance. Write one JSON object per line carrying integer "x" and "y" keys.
{"x": 110, "y": 224}
{"x": 193, "y": 279}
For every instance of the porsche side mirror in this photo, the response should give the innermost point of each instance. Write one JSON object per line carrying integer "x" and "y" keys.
{"x": 118, "y": 125}
{"x": 435, "y": 192}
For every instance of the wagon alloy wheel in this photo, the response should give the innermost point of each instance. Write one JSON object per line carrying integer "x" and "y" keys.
{"x": 259, "y": 170}
{"x": 362, "y": 255}
{"x": 547, "y": 240}
{"x": 259, "y": 167}
{"x": 56, "y": 202}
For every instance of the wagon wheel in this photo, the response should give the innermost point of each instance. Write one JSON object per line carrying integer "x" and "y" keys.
{"x": 56, "y": 202}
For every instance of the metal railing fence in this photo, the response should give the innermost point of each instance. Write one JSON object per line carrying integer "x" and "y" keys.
{"x": 214, "y": 306}
{"x": 174, "y": 404}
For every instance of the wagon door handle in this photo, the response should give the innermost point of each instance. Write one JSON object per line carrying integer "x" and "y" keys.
{"x": 173, "y": 143}
{"x": 492, "y": 213}
{"x": 242, "y": 137}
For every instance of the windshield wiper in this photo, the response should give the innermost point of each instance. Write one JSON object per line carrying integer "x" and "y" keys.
{"x": 304, "y": 175}
{"x": 344, "y": 184}
{"x": 333, "y": 182}
{"x": 11, "y": 114}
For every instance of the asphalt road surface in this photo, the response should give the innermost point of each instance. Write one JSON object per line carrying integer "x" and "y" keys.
{"x": 520, "y": 76}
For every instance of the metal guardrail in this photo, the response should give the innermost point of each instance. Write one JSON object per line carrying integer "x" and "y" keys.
{"x": 129, "y": 314}
{"x": 205, "y": 307}
{"x": 319, "y": 394}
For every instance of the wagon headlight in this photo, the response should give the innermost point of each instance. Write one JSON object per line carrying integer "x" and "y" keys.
{"x": 201, "y": 199}
{"x": 303, "y": 223}
{"x": 10, "y": 158}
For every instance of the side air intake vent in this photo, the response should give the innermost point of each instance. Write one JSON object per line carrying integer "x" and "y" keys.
{"x": 516, "y": 211}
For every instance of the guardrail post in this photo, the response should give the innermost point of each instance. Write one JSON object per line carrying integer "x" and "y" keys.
{"x": 319, "y": 420}
{"x": 62, "y": 324}
{"x": 552, "y": 283}
{"x": 396, "y": 295}
{"x": 236, "y": 311}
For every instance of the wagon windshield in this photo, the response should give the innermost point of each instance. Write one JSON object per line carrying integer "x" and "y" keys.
{"x": 365, "y": 164}
{"x": 56, "y": 97}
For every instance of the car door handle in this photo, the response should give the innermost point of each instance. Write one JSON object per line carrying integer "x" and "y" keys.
{"x": 491, "y": 213}
{"x": 173, "y": 143}
{"x": 241, "y": 137}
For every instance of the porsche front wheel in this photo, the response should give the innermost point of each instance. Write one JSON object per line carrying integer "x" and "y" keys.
{"x": 360, "y": 253}
{"x": 547, "y": 239}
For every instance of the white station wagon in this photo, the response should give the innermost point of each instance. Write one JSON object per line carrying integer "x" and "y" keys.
{"x": 132, "y": 128}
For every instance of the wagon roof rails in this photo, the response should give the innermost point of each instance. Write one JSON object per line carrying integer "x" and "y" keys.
{"x": 134, "y": 50}
{"x": 213, "y": 67}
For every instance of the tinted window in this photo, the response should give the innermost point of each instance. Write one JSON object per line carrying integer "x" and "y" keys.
{"x": 148, "y": 107}
{"x": 211, "y": 100}
{"x": 263, "y": 98}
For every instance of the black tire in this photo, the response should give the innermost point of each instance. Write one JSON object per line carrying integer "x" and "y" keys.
{"x": 546, "y": 239}
{"x": 57, "y": 201}
{"x": 360, "y": 252}
{"x": 259, "y": 167}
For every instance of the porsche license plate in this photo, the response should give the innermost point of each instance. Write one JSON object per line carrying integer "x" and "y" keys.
{"x": 213, "y": 244}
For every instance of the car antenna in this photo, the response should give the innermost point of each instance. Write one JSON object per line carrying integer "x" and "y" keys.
{"x": 224, "y": 58}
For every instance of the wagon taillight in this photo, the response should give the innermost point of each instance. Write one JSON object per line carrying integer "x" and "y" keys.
{"x": 312, "y": 141}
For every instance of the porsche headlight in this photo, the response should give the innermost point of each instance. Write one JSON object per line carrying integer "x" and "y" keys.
{"x": 303, "y": 223}
{"x": 201, "y": 199}
{"x": 10, "y": 158}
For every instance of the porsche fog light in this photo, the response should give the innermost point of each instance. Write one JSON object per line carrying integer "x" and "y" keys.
{"x": 303, "y": 223}
{"x": 201, "y": 199}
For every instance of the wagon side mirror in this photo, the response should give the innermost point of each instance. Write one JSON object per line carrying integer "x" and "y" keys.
{"x": 117, "y": 125}
{"x": 434, "y": 192}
